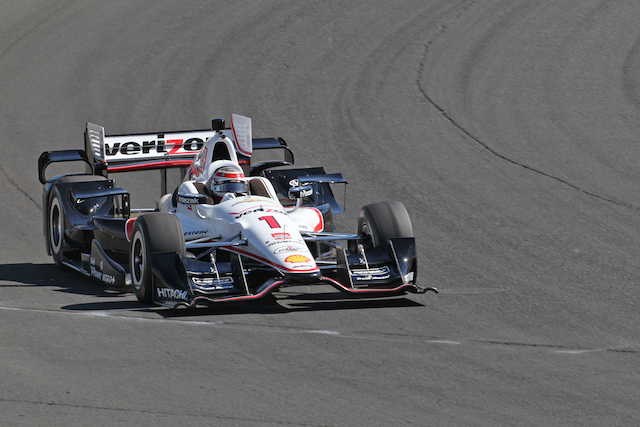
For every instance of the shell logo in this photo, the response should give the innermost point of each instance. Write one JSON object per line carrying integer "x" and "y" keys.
{"x": 296, "y": 258}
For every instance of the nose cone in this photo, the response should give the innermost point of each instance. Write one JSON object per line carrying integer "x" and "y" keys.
{"x": 303, "y": 278}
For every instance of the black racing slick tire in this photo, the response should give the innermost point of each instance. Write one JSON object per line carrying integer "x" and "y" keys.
{"x": 381, "y": 221}
{"x": 152, "y": 233}
{"x": 56, "y": 221}
{"x": 56, "y": 227}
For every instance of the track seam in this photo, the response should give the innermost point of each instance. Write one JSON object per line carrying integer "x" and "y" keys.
{"x": 29, "y": 30}
{"x": 478, "y": 141}
{"x": 154, "y": 412}
{"x": 15, "y": 185}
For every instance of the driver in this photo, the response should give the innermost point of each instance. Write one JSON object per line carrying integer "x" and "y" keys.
{"x": 228, "y": 183}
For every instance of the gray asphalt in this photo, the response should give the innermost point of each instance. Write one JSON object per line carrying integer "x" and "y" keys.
{"x": 507, "y": 128}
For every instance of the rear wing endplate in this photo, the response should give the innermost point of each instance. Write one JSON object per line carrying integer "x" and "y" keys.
{"x": 49, "y": 157}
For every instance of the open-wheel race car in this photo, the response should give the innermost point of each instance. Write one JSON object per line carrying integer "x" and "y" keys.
{"x": 233, "y": 230}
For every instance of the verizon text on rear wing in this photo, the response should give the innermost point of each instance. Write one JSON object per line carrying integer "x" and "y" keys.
{"x": 161, "y": 150}
{"x": 124, "y": 153}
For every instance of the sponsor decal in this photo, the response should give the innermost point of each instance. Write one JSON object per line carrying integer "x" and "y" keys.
{"x": 382, "y": 273}
{"x": 212, "y": 283}
{"x": 253, "y": 210}
{"x": 289, "y": 249}
{"x": 194, "y": 233}
{"x": 158, "y": 147}
{"x": 186, "y": 200}
{"x": 296, "y": 183}
{"x": 296, "y": 258}
{"x": 295, "y": 268}
{"x": 284, "y": 242}
{"x": 281, "y": 236}
{"x": 172, "y": 293}
{"x": 240, "y": 215}
{"x": 106, "y": 278}
{"x": 303, "y": 266}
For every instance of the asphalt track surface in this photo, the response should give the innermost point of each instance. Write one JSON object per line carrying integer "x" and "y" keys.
{"x": 509, "y": 129}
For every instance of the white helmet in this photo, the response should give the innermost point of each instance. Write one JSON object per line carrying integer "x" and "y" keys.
{"x": 227, "y": 179}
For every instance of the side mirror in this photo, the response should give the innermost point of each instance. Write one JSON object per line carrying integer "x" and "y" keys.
{"x": 126, "y": 206}
{"x": 300, "y": 192}
{"x": 192, "y": 199}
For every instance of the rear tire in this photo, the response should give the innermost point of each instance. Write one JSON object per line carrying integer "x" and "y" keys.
{"x": 381, "y": 221}
{"x": 56, "y": 227}
{"x": 152, "y": 233}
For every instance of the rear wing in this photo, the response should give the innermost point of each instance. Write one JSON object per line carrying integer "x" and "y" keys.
{"x": 162, "y": 150}
{"x": 125, "y": 153}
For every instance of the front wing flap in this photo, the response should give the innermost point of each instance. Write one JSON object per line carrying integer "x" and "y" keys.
{"x": 170, "y": 281}
{"x": 387, "y": 270}
{"x": 175, "y": 286}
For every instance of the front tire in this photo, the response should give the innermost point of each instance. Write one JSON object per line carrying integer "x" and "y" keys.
{"x": 152, "y": 233}
{"x": 381, "y": 221}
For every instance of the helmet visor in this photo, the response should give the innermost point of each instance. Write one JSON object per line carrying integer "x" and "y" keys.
{"x": 231, "y": 187}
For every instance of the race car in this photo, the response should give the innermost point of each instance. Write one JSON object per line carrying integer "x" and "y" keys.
{"x": 233, "y": 230}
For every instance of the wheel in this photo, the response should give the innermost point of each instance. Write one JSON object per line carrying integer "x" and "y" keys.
{"x": 152, "y": 233}
{"x": 380, "y": 221}
{"x": 56, "y": 227}
{"x": 55, "y": 222}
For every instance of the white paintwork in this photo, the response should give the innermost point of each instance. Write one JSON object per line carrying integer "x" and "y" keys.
{"x": 273, "y": 236}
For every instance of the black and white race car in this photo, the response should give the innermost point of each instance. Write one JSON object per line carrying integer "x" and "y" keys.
{"x": 233, "y": 230}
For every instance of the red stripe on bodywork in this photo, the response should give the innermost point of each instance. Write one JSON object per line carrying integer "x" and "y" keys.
{"x": 150, "y": 165}
{"x": 320, "y": 225}
{"x": 128, "y": 228}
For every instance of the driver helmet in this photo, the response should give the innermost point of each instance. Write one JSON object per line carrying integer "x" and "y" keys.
{"x": 228, "y": 180}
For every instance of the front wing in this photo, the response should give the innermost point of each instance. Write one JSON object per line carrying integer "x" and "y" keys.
{"x": 178, "y": 282}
